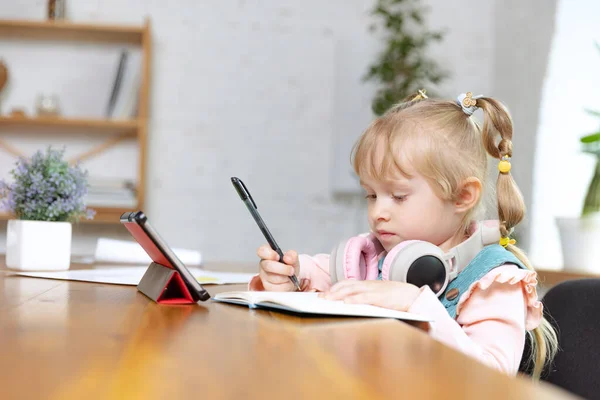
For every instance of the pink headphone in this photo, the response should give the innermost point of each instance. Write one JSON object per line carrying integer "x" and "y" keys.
{"x": 413, "y": 261}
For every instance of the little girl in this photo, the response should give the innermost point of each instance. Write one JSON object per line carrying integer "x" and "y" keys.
{"x": 423, "y": 166}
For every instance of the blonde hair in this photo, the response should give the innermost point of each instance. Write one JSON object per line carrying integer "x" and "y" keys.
{"x": 446, "y": 146}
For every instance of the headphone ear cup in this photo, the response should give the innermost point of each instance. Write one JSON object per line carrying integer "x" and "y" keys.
{"x": 389, "y": 264}
{"x": 419, "y": 263}
{"x": 336, "y": 262}
{"x": 355, "y": 258}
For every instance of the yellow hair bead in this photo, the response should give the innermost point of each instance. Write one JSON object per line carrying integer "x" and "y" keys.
{"x": 505, "y": 241}
{"x": 504, "y": 166}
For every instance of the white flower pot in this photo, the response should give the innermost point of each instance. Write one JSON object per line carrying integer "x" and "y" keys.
{"x": 580, "y": 242}
{"x": 38, "y": 245}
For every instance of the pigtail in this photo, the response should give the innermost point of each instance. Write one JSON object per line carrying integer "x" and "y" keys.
{"x": 511, "y": 211}
{"x": 543, "y": 339}
{"x": 497, "y": 122}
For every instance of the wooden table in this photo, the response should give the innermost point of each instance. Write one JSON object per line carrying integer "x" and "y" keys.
{"x": 549, "y": 277}
{"x": 76, "y": 340}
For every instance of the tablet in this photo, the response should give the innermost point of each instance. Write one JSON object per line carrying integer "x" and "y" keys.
{"x": 137, "y": 224}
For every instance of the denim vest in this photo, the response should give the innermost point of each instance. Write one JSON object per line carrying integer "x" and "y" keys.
{"x": 490, "y": 257}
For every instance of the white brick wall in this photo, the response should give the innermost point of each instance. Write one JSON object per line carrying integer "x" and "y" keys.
{"x": 260, "y": 90}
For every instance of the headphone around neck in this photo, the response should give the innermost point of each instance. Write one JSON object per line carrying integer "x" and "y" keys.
{"x": 413, "y": 261}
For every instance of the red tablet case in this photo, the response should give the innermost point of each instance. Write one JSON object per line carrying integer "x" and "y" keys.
{"x": 161, "y": 282}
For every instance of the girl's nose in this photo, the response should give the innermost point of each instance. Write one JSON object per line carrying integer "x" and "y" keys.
{"x": 380, "y": 211}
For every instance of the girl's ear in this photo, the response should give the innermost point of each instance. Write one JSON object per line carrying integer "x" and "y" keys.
{"x": 468, "y": 194}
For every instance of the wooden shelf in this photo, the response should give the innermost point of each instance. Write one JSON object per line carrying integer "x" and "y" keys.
{"x": 72, "y": 124}
{"x": 117, "y": 130}
{"x": 107, "y": 215}
{"x": 65, "y": 30}
{"x": 104, "y": 215}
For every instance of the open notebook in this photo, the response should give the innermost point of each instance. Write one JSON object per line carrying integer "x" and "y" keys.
{"x": 310, "y": 303}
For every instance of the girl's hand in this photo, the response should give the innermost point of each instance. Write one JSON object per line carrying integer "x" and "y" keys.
{"x": 388, "y": 294}
{"x": 275, "y": 275}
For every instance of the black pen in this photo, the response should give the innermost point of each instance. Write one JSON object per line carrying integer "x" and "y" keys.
{"x": 252, "y": 207}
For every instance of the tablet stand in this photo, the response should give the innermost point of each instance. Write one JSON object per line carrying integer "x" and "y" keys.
{"x": 164, "y": 285}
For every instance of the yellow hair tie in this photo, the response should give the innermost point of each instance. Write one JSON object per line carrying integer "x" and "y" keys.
{"x": 504, "y": 165}
{"x": 420, "y": 95}
{"x": 505, "y": 241}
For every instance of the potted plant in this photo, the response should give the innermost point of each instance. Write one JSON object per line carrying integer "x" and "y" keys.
{"x": 580, "y": 237}
{"x": 403, "y": 67}
{"x": 46, "y": 196}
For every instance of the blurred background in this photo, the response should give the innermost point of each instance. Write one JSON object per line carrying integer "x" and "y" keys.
{"x": 275, "y": 94}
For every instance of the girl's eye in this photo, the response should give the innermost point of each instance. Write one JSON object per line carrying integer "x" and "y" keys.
{"x": 370, "y": 196}
{"x": 399, "y": 198}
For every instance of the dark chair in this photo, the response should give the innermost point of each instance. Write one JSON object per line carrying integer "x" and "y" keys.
{"x": 573, "y": 308}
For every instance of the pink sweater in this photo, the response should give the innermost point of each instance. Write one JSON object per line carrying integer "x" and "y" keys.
{"x": 491, "y": 317}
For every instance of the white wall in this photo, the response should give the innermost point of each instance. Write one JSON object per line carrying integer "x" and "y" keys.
{"x": 264, "y": 91}
{"x": 562, "y": 172}
{"x": 523, "y": 37}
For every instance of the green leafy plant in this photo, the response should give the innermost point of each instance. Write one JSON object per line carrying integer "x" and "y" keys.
{"x": 591, "y": 144}
{"x": 403, "y": 67}
{"x": 46, "y": 188}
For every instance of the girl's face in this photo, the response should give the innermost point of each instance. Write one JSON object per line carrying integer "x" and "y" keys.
{"x": 406, "y": 208}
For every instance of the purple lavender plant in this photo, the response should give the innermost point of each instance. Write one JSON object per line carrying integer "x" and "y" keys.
{"x": 46, "y": 188}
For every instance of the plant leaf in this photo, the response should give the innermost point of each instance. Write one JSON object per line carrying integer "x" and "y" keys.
{"x": 594, "y": 137}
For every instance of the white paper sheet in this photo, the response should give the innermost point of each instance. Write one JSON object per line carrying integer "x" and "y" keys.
{"x": 128, "y": 275}
{"x": 130, "y": 252}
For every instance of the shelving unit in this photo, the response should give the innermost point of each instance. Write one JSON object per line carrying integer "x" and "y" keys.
{"x": 81, "y": 32}
{"x": 104, "y": 215}
{"x": 135, "y": 128}
{"x": 98, "y": 126}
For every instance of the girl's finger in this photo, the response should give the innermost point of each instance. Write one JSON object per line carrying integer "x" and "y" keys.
{"x": 344, "y": 291}
{"x": 275, "y": 279}
{"x": 281, "y": 287}
{"x": 265, "y": 252}
{"x": 291, "y": 258}
{"x": 360, "y": 298}
{"x": 275, "y": 267}
{"x": 304, "y": 284}
{"x": 344, "y": 284}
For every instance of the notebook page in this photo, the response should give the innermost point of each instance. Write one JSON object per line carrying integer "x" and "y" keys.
{"x": 311, "y": 303}
{"x": 242, "y": 296}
